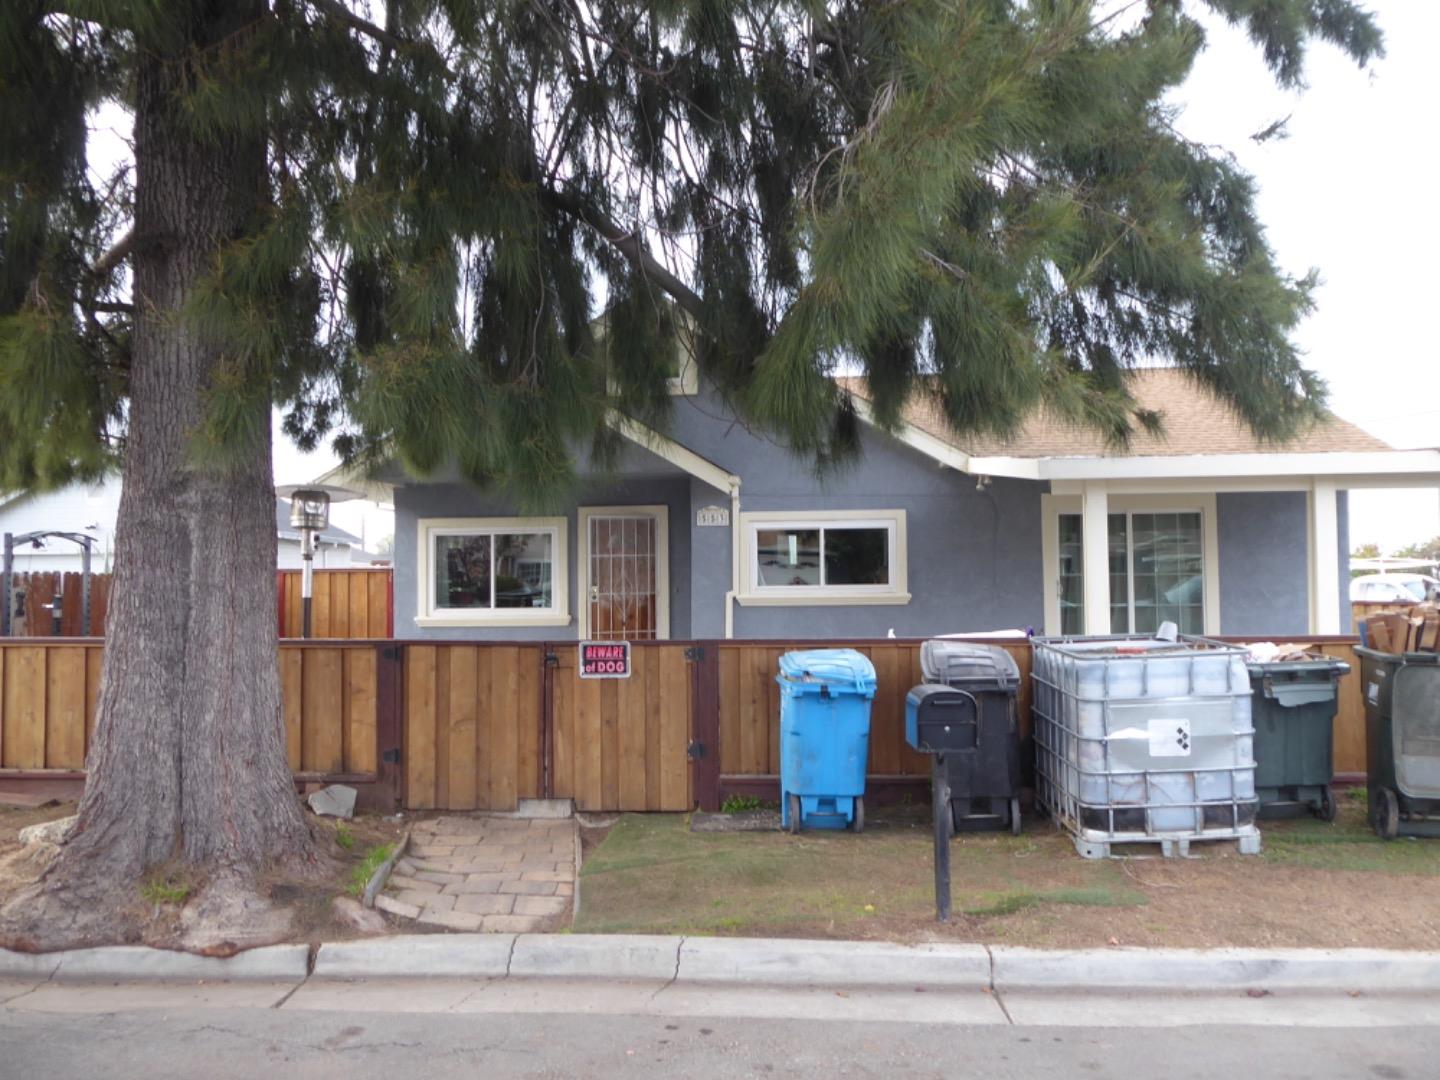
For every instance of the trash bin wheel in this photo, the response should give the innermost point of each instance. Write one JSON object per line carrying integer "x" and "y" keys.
{"x": 1385, "y": 813}
{"x": 794, "y": 814}
{"x": 1014, "y": 817}
{"x": 857, "y": 823}
{"x": 1327, "y": 809}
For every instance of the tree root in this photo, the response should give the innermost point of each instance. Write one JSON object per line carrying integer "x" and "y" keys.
{"x": 48, "y": 903}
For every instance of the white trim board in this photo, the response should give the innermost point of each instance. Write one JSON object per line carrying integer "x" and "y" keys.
{"x": 683, "y": 458}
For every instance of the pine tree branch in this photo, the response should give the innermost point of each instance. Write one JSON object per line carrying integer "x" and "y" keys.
{"x": 340, "y": 13}
{"x": 629, "y": 244}
{"x": 116, "y": 255}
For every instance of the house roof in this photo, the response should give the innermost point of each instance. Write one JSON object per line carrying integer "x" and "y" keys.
{"x": 1196, "y": 422}
{"x": 332, "y": 534}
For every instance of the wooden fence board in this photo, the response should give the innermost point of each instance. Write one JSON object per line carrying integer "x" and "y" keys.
{"x": 348, "y": 604}
{"x": 361, "y": 689}
{"x": 465, "y": 760}
{"x": 292, "y": 694}
{"x": 322, "y": 715}
{"x": 65, "y": 708}
{"x": 24, "y": 703}
{"x": 420, "y": 726}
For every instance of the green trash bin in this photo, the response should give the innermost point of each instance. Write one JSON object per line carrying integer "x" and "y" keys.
{"x": 1293, "y": 705}
{"x": 1402, "y": 741}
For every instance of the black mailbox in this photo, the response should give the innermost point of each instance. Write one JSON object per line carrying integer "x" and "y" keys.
{"x": 941, "y": 720}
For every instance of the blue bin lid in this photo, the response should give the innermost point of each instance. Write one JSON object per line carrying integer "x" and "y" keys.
{"x": 838, "y": 668}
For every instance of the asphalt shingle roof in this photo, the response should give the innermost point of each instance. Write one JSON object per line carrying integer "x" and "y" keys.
{"x": 1196, "y": 422}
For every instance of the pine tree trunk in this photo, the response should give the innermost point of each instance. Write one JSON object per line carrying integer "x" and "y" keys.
{"x": 188, "y": 760}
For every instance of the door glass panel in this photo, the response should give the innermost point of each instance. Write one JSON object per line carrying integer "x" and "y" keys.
{"x": 1119, "y": 575}
{"x": 624, "y": 601}
{"x": 1072, "y": 576}
{"x": 1169, "y": 572}
{"x": 857, "y": 556}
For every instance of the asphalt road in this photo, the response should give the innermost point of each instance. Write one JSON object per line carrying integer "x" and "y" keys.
{"x": 434, "y": 1030}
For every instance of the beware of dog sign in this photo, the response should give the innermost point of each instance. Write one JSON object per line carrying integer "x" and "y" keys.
{"x": 604, "y": 659}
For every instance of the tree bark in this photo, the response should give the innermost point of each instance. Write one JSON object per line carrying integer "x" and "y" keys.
{"x": 188, "y": 759}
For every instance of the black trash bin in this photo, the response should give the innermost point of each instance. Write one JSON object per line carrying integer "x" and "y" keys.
{"x": 1402, "y": 741}
{"x": 984, "y": 771}
{"x": 1292, "y": 705}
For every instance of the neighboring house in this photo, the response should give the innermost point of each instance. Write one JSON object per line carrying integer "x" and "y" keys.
{"x": 712, "y": 531}
{"x": 93, "y": 508}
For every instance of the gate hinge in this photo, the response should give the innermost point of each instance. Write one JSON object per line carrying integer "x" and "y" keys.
{"x": 551, "y": 659}
{"x": 695, "y": 750}
{"x": 391, "y": 757}
{"x": 390, "y": 652}
{"x": 695, "y": 653}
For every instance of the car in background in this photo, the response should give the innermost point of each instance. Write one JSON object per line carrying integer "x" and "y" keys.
{"x": 1394, "y": 588}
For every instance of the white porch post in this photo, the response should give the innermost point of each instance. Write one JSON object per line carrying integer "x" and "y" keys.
{"x": 1324, "y": 558}
{"x": 1095, "y": 542}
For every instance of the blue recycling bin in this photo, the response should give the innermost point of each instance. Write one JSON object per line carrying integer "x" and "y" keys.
{"x": 825, "y": 697}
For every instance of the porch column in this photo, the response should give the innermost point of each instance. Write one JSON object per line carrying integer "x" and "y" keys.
{"x": 1095, "y": 543}
{"x": 1324, "y": 558}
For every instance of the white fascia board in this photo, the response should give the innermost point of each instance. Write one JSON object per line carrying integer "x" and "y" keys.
{"x": 1412, "y": 463}
{"x": 681, "y": 457}
{"x": 937, "y": 449}
{"x": 1017, "y": 467}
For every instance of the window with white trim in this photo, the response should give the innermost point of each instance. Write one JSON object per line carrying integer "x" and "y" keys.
{"x": 824, "y": 557}
{"x": 1157, "y": 572}
{"x": 492, "y": 571}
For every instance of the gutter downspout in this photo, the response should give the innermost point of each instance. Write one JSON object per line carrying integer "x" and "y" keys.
{"x": 734, "y": 559}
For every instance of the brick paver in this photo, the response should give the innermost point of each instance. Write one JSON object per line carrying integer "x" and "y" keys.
{"x": 495, "y": 874}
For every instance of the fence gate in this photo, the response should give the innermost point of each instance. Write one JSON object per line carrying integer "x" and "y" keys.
{"x": 624, "y": 744}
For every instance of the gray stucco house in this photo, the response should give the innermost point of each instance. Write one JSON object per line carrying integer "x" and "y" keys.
{"x": 710, "y": 531}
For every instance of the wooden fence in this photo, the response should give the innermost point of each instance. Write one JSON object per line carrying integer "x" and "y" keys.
{"x": 350, "y": 604}
{"x": 34, "y": 619}
{"x": 479, "y": 726}
{"x": 472, "y": 725}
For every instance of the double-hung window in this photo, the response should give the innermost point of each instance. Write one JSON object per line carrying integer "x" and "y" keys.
{"x": 492, "y": 571}
{"x": 824, "y": 557}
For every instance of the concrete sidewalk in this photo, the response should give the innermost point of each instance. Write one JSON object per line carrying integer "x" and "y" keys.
{"x": 757, "y": 962}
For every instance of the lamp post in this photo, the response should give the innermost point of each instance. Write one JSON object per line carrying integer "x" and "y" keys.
{"x": 309, "y": 513}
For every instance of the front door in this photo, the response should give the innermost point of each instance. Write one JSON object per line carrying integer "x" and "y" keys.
{"x": 626, "y": 579}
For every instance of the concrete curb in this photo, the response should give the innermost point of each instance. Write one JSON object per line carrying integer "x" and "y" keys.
{"x": 761, "y": 962}
{"x": 827, "y": 963}
{"x": 414, "y": 956}
{"x": 628, "y": 956}
{"x": 272, "y": 963}
{"x": 1215, "y": 969}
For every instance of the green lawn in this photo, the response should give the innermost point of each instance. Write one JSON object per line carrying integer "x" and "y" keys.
{"x": 1315, "y": 884}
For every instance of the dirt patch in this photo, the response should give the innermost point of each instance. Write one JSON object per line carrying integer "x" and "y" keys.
{"x": 1314, "y": 885}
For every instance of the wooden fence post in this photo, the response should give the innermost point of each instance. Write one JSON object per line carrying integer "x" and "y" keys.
{"x": 388, "y": 793}
{"x": 705, "y": 724}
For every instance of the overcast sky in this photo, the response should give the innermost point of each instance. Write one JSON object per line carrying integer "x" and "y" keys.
{"x": 1348, "y": 192}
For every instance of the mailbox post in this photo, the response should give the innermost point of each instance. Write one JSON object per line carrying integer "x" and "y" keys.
{"x": 941, "y": 720}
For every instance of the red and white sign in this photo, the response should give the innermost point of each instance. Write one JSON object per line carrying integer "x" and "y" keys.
{"x": 604, "y": 659}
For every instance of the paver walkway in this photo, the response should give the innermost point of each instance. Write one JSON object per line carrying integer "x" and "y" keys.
{"x": 501, "y": 874}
